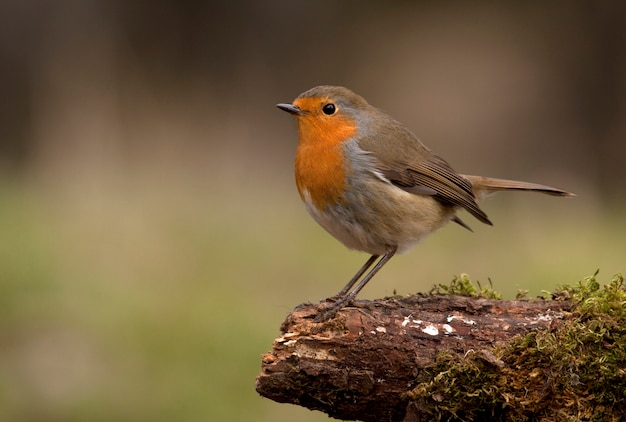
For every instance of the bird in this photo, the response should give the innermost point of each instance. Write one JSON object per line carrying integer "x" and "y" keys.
{"x": 371, "y": 183}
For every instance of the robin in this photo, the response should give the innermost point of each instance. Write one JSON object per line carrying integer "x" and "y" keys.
{"x": 369, "y": 181}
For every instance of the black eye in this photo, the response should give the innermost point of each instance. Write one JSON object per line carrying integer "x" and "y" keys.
{"x": 329, "y": 109}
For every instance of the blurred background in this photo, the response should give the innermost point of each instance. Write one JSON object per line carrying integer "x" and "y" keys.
{"x": 152, "y": 239}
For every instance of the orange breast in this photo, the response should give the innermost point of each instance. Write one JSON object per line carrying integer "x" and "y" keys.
{"x": 320, "y": 167}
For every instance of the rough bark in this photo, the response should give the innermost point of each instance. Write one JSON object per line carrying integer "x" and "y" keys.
{"x": 358, "y": 365}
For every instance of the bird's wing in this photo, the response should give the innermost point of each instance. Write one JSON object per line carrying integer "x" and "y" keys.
{"x": 450, "y": 187}
{"x": 408, "y": 164}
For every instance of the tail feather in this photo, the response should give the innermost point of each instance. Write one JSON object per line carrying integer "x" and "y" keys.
{"x": 483, "y": 186}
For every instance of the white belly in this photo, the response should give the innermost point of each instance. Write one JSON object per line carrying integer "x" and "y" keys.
{"x": 376, "y": 215}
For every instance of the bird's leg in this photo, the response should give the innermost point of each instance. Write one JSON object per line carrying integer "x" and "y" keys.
{"x": 342, "y": 301}
{"x": 354, "y": 279}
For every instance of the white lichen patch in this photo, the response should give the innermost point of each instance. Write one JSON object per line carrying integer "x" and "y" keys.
{"x": 543, "y": 318}
{"x": 549, "y": 316}
{"x": 409, "y": 320}
{"x": 430, "y": 330}
{"x": 465, "y": 320}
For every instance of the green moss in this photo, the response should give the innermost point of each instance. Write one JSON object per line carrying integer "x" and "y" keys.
{"x": 463, "y": 286}
{"x": 572, "y": 372}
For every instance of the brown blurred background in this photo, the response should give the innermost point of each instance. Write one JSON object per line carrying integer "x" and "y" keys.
{"x": 152, "y": 236}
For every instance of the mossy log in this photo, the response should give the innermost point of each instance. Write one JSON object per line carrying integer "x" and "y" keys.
{"x": 362, "y": 364}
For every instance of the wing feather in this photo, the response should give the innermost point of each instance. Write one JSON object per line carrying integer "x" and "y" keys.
{"x": 408, "y": 164}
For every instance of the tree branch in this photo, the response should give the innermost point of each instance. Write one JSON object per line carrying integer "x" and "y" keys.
{"x": 360, "y": 364}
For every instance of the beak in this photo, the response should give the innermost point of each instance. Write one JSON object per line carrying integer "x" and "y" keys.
{"x": 290, "y": 108}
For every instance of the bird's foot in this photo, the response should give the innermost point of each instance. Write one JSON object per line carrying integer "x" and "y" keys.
{"x": 328, "y": 310}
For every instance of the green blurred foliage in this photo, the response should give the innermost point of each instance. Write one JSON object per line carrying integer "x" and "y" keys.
{"x": 125, "y": 306}
{"x": 154, "y": 304}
